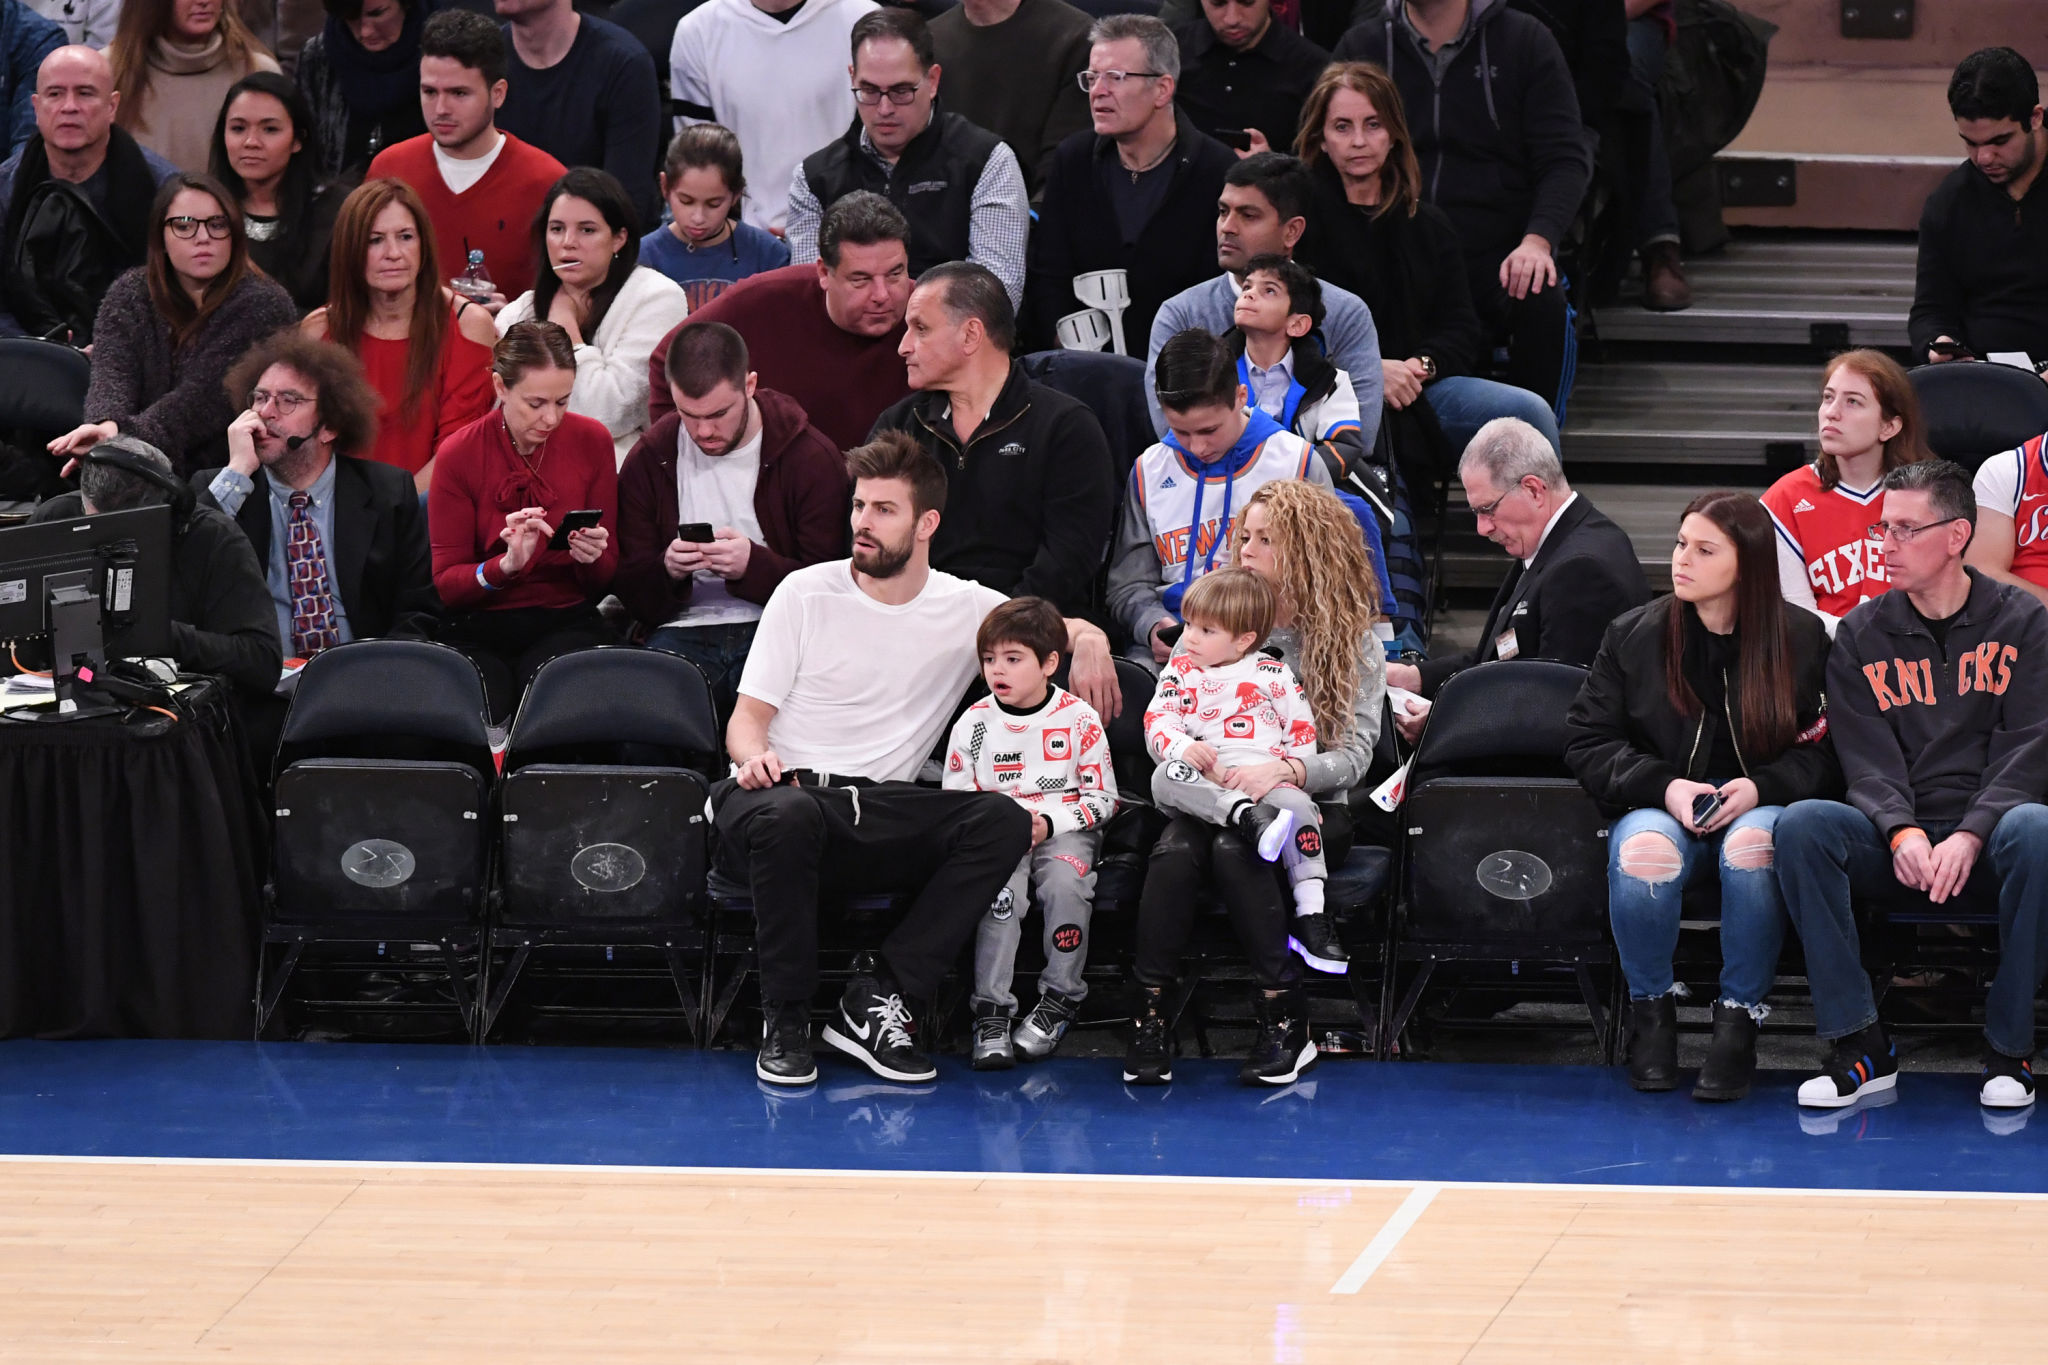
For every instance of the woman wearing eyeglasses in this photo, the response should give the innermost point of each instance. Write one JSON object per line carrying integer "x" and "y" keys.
{"x": 167, "y": 330}
{"x": 1703, "y": 717}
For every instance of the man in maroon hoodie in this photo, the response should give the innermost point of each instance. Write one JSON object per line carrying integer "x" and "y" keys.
{"x": 744, "y": 463}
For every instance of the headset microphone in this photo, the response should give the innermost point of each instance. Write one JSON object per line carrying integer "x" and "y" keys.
{"x": 294, "y": 442}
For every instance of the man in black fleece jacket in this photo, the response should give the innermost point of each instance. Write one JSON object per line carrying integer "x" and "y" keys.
{"x": 1983, "y": 268}
{"x": 1941, "y": 725}
{"x": 1496, "y": 123}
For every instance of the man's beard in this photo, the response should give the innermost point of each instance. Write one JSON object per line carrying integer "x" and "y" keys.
{"x": 885, "y": 561}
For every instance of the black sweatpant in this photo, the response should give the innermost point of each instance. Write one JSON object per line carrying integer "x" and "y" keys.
{"x": 1187, "y": 855}
{"x": 1533, "y": 328}
{"x": 787, "y": 842}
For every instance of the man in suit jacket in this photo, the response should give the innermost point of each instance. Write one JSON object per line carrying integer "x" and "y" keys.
{"x": 342, "y": 541}
{"x": 1575, "y": 572}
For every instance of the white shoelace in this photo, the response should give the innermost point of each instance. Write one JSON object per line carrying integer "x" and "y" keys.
{"x": 892, "y": 1021}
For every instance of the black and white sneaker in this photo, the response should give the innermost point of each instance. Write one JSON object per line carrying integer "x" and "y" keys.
{"x": 1149, "y": 1058}
{"x": 1043, "y": 1028}
{"x": 1283, "y": 1049}
{"x": 2008, "y": 1081}
{"x": 1315, "y": 940}
{"x": 785, "y": 1056}
{"x": 992, "y": 1049}
{"x": 874, "y": 1028}
{"x": 1859, "y": 1065}
{"x": 1268, "y": 828}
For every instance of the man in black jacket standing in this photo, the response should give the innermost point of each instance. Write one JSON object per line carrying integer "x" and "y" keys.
{"x": 1137, "y": 194}
{"x": 1941, "y": 726}
{"x": 1983, "y": 272}
{"x": 1504, "y": 154}
{"x": 959, "y": 186}
{"x": 1577, "y": 570}
{"x": 1031, "y": 488}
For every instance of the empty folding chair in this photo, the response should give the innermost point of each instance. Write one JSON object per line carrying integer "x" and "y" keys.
{"x": 1975, "y": 411}
{"x": 603, "y": 837}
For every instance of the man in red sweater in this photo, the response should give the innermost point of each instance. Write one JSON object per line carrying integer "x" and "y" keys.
{"x": 482, "y": 187}
{"x": 825, "y": 333}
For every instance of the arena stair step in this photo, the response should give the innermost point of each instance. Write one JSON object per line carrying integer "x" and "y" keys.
{"x": 1647, "y": 413}
{"x": 1780, "y": 289}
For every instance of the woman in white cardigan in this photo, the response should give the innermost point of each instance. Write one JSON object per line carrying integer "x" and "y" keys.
{"x": 615, "y": 310}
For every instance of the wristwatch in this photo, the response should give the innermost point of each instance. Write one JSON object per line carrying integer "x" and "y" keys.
{"x": 1428, "y": 367}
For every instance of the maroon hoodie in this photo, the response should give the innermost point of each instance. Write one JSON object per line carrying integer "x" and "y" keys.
{"x": 801, "y": 499}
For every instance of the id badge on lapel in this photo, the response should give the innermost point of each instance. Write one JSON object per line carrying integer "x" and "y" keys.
{"x": 1505, "y": 646}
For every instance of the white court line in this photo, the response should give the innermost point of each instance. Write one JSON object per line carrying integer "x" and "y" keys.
{"x": 597, "y": 1168}
{"x": 1385, "y": 1240}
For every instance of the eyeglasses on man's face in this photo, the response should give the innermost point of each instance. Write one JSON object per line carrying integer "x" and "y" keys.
{"x": 287, "y": 400}
{"x": 185, "y": 227}
{"x": 898, "y": 95}
{"x": 1900, "y": 531}
{"x": 1115, "y": 79}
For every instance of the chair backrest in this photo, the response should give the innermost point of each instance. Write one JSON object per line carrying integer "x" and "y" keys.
{"x": 399, "y": 699}
{"x": 1127, "y": 732}
{"x": 1499, "y": 719}
{"x": 42, "y": 386}
{"x": 1113, "y": 387}
{"x": 588, "y": 705}
{"x": 1975, "y": 411}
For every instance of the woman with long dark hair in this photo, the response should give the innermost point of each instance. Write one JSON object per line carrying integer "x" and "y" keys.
{"x": 173, "y": 63}
{"x": 361, "y": 75}
{"x": 1870, "y": 424}
{"x": 592, "y": 285}
{"x": 167, "y": 330}
{"x": 1703, "y": 718}
{"x": 506, "y": 481}
{"x": 1369, "y": 231}
{"x": 425, "y": 351}
{"x": 268, "y": 155}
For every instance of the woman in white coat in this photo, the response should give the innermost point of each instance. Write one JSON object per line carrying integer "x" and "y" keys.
{"x": 591, "y": 282}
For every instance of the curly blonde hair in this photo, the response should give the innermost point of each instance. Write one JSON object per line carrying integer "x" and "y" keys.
{"x": 1327, "y": 580}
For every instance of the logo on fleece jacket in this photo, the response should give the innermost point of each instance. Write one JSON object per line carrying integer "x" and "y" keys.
{"x": 1902, "y": 682}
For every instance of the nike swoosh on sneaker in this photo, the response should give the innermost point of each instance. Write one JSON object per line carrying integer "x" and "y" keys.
{"x": 861, "y": 1030}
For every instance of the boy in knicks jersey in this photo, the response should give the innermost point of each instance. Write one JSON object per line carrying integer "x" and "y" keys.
{"x": 1185, "y": 492}
{"x": 1869, "y": 425}
{"x": 1220, "y": 702}
{"x": 1044, "y": 747}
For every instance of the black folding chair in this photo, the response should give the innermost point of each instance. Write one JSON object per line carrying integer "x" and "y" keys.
{"x": 383, "y": 784}
{"x": 1975, "y": 411}
{"x": 603, "y": 841}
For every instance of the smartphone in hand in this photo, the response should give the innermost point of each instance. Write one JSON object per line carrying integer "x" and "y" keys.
{"x": 582, "y": 519}
{"x": 695, "y": 533}
{"x": 1704, "y": 807}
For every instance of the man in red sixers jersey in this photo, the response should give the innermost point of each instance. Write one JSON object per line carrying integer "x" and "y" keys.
{"x": 2012, "y": 519}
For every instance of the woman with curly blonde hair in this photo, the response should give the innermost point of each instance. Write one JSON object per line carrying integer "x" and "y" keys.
{"x": 1301, "y": 539}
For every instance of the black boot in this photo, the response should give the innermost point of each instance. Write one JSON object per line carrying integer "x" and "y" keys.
{"x": 1282, "y": 1051}
{"x": 1653, "y": 1043}
{"x": 1731, "y": 1057}
{"x": 1149, "y": 1060}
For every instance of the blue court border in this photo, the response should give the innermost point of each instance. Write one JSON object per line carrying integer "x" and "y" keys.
{"x": 649, "y": 1107}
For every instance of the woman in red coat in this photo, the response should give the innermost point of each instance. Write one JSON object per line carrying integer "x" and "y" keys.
{"x": 501, "y": 486}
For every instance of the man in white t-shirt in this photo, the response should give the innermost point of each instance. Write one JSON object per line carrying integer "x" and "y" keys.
{"x": 718, "y": 503}
{"x": 857, "y": 668}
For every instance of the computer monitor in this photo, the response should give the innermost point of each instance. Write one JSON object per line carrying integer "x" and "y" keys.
{"x": 96, "y": 587}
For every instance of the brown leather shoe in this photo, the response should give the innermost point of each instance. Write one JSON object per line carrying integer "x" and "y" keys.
{"x": 1665, "y": 288}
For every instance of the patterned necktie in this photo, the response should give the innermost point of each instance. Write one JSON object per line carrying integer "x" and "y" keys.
{"x": 305, "y": 565}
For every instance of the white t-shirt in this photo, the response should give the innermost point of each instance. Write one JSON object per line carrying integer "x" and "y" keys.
{"x": 863, "y": 688}
{"x": 458, "y": 175}
{"x": 718, "y": 489}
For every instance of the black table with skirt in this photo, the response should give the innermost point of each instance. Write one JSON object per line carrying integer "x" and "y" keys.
{"x": 129, "y": 896}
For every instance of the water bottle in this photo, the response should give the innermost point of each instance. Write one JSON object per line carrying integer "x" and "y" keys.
{"x": 475, "y": 282}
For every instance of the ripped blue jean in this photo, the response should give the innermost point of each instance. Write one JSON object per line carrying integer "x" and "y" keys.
{"x": 1645, "y": 911}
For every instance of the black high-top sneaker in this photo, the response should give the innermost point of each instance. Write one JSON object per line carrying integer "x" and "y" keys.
{"x": 875, "y": 1027}
{"x": 1282, "y": 1050}
{"x": 1149, "y": 1059}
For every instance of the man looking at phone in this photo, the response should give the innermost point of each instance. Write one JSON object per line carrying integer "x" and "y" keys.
{"x": 1942, "y": 731}
{"x": 1983, "y": 275}
{"x": 718, "y": 502}
{"x": 1244, "y": 76}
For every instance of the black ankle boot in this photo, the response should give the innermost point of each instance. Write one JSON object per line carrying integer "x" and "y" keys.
{"x": 1149, "y": 1058}
{"x": 1653, "y": 1043}
{"x": 1731, "y": 1057}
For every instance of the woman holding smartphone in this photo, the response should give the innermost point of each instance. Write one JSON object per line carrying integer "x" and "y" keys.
{"x": 1703, "y": 718}
{"x": 519, "y": 560}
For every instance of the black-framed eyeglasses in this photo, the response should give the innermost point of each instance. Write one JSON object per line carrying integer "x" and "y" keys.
{"x": 287, "y": 400}
{"x": 185, "y": 227}
{"x": 1116, "y": 79}
{"x": 898, "y": 95}
{"x": 1879, "y": 530}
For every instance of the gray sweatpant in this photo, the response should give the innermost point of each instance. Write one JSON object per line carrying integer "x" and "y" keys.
{"x": 1062, "y": 871}
{"x": 1177, "y": 787}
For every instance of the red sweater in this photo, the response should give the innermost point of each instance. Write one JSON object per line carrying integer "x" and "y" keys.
{"x": 495, "y": 214}
{"x": 462, "y": 393}
{"x": 843, "y": 382}
{"x": 479, "y": 480}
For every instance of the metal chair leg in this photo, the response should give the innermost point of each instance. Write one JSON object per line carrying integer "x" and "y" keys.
{"x": 1399, "y": 1022}
{"x": 268, "y": 994}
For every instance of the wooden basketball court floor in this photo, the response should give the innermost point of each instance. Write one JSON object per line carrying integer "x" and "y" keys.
{"x": 186, "y": 1202}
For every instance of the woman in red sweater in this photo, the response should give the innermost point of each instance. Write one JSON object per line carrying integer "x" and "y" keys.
{"x": 425, "y": 351}
{"x": 504, "y": 482}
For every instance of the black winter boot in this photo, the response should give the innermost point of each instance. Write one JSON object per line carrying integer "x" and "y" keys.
{"x": 1653, "y": 1043}
{"x": 1731, "y": 1057}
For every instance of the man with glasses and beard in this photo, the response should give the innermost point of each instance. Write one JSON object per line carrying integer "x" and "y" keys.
{"x": 1941, "y": 725}
{"x": 857, "y": 667}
